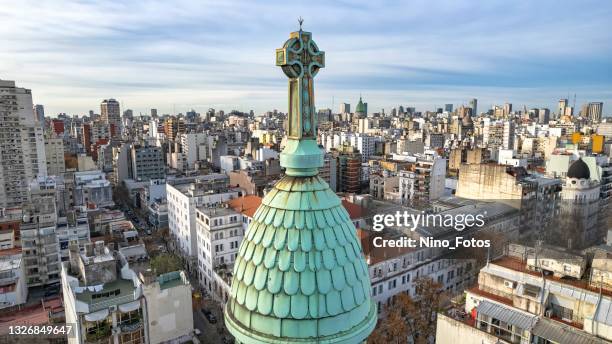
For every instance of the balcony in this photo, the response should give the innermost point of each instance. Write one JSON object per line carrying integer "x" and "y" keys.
{"x": 99, "y": 333}
{"x": 131, "y": 325}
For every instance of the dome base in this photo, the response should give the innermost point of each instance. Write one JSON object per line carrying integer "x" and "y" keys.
{"x": 356, "y": 335}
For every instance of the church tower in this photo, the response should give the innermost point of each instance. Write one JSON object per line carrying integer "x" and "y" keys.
{"x": 300, "y": 275}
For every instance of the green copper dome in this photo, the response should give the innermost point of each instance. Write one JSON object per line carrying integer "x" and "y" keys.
{"x": 361, "y": 108}
{"x": 300, "y": 275}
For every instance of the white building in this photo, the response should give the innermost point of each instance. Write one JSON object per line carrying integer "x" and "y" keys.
{"x": 13, "y": 287}
{"x": 424, "y": 180}
{"x": 22, "y": 145}
{"x": 195, "y": 148}
{"x": 219, "y": 232}
{"x": 183, "y": 199}
{"x": 91, "y": 187}
{"x": 73, "y": 228}
{"x": 54, "y": 152}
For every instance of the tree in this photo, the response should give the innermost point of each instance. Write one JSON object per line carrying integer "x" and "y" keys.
{"x": 393, "y": 328}
{"x": 166, "y": 262}
{"x": 413, "y": 318}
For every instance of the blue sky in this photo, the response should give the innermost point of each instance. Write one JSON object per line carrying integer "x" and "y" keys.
{"x": 177, "y": 55}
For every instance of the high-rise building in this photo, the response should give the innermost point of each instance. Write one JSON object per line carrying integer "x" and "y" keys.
{"x": 474, "y": 106}
{"x": 38, "y": 235}
{"x": 173, "y": 127}
{"x": 110, "y": 114}
{"x": 595, "y": 111}
{"x": 345, "y": 108}
{"x": 543, "y": 116}
{"x": 153, "y": 112}
{"x": 561, "y": 107}
{"x": 39, "y": 113}
{"x": 147, "y": 163}
{"x": 448, "y": 107}
{"x": 22, "y": 145}
{"x": 54, "y": 152}
{"x": 507, "y": 109}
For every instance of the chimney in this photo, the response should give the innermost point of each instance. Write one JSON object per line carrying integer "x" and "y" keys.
{"x": 89, "y": 250}
{"x": 99, "y": 248}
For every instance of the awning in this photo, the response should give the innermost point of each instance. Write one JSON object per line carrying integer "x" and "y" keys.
{"x": 561, "y": 333}
{"x": 97, "y": 316}
{"x": 506, "y": 314}
{"x": 130, "y": 306}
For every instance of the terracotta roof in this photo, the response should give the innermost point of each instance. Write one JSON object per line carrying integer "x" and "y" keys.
{"x": 246, "y": 205}
{"x": 355, "y": 211}
{"x": 476, "y": 290}
{"x": 29, "y": 315}
{"x": 10, "y": 251}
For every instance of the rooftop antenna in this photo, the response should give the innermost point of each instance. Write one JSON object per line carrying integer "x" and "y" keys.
{"x": 300, "y": 20}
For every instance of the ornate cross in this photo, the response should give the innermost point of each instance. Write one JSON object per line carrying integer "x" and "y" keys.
{"x": 301, "y": 59}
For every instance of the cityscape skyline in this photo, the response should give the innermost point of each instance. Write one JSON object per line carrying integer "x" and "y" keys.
{"x": 191, "y": 56}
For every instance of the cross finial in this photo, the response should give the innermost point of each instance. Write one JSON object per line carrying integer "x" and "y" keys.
{"x": 300, "y": 20}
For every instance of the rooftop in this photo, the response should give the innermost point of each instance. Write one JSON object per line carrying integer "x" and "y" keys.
{"x": 247, "y": 205}
{"x": 102, "y": 296}
{"x": 519, "y": 265}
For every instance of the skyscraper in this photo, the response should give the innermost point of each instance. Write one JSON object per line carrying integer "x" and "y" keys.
{"x": 474, "y": 106}
{"x": 448, "y": 107}
{"x": 345, "y": 108}
{"x": 507, "y": 109}
{"x": 595, "y": 111}
{"x": 300, "y": 276}
{"x": 561, "y": 108}
{"x": 543, "y": 116}
{"x": 39, "y": 113}
{"x": 110, "y": 114}
{"x": 22, "y": 145}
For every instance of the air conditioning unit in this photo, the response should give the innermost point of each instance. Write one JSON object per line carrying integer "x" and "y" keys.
{"x": 509, "y": 284}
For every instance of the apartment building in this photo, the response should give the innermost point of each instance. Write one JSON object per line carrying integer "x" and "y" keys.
{"x": 54, "y": 153}
{"x": 91, "y": 188}
{"x": 72, "y": 228}
{"x": 536, "y": 296}
{"x": 39, "y": 242}
{"x": 183, "y": 199}
{"x": 22, "y": 145}
{"x": 422, "y": 180}
{"x": 219, "y": 233}
{"x": 111, "y": 301}
{"x": 147, "y": 162}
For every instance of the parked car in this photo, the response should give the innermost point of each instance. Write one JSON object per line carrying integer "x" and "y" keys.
{"x": 209, "y": 316}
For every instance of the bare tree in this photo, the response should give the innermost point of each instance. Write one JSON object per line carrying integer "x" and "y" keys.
{"x": 411, "y": 318}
